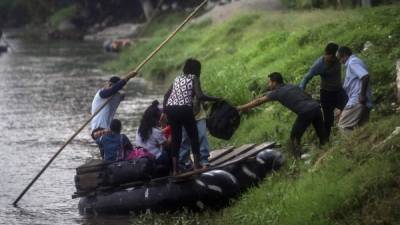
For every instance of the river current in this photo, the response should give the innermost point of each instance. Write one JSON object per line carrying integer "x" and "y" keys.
{"x": 46, "y": 89}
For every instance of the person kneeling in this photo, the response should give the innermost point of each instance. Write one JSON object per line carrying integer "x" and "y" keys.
{"x": 113, "y": 145}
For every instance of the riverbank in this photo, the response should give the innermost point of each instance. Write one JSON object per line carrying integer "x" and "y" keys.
{"x": 238, "y": 54}
{"x": 354, "y": 180}
{"x": 340, "y": 184}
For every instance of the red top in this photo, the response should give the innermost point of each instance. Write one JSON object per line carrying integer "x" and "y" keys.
{"x": 167, "y": 131}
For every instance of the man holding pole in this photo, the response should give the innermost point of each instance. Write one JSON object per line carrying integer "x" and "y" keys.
{"x": 103, "y": 119}
{"x": 98, "y": 105}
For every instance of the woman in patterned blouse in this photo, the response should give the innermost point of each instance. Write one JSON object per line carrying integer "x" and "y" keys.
{"x": 178, "y": 105}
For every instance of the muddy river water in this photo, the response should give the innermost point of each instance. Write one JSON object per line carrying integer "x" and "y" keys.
{"x": 46, "y": 89}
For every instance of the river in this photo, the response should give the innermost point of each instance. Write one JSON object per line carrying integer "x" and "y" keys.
{"x": 46, "y": 89}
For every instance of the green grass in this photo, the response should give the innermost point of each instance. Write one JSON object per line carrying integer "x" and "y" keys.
{"x": 343, "y": 182}
{"x": 355, "y": 180}
{"x": 237, "y": 55}
{"x": 336, "y": 183}
{"x": 62, "y": 14}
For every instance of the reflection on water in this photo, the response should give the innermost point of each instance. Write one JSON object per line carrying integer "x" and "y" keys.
{"x": 46, "y": 90}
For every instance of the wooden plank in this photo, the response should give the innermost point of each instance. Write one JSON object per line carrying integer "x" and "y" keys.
{"x": 248, "y": 154}
{"x": 242, "y": 152}
{"x": 216, "y": 154}
{"x": 231, "y": 153}
{"x": 237, "y": 151}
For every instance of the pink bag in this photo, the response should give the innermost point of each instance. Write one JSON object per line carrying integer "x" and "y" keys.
{"x": 139, "y": 152}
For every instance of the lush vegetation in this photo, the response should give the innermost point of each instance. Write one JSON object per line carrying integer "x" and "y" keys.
{"x": 307, "y": 4}
{"x": 238, "y": 54}
{"x": 62, "y": 14}
{"x": 340, "y": 184}
{"x": 353, "y": 181}
{"x": 336, "y": 186}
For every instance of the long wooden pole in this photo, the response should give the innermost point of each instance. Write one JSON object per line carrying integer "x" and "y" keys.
{"x": 132, "y": 72}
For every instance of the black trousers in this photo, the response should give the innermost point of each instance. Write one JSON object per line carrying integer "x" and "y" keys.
{"x": 178, "y": 117}
{"x": 304, "y": 120}
{"x": 329, "y": 101}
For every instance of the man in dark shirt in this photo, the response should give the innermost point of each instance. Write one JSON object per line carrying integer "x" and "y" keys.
{"x": 308, "y": 110}
{"x": 332, "y": 94}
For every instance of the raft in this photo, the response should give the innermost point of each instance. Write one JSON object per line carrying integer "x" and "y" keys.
{"x": 232, "y": 171}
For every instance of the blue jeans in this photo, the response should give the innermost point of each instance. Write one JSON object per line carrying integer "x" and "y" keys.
{"x": 184, "y": 152}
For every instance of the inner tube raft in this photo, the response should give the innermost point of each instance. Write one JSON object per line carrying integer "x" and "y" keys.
{"x": 212, "y": 189}
{"x": 251, "y": 171}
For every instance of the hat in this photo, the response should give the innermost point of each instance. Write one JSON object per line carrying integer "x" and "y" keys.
{"x": 114, "y": 79}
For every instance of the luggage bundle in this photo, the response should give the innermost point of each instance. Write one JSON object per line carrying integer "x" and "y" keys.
{"x": 97, "y": 173}
{"x": 223, "y": 120}
{"x": 140, "y": 169}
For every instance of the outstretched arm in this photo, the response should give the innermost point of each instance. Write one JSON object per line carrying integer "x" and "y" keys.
{"x": 108, "y": 92}
{"x": 254, "y": 103}
{"x": 199, "y": 92}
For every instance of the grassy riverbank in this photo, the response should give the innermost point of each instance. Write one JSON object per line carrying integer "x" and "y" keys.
{"x": 348, "y": 180}
{"x": 237, "y": 55}
{"x": 353, "y": 181}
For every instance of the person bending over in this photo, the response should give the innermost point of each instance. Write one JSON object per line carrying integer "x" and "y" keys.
{"x": 308, "y": 110}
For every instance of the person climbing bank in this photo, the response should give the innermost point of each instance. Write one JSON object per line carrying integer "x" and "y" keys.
{"x": 307, "y": 109}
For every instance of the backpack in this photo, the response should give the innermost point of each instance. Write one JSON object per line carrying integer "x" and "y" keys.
{"x": 223, "y": 120}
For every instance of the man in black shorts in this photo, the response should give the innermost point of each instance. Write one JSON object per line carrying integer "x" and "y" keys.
{"x": 307, "y": 109}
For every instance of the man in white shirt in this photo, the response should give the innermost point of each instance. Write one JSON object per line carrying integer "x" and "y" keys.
{"x": 357, "y": 87}
{"x": 103, "y": 119}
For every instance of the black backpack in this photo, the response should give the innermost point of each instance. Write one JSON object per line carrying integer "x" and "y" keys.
{"x": 223, "y": 120}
